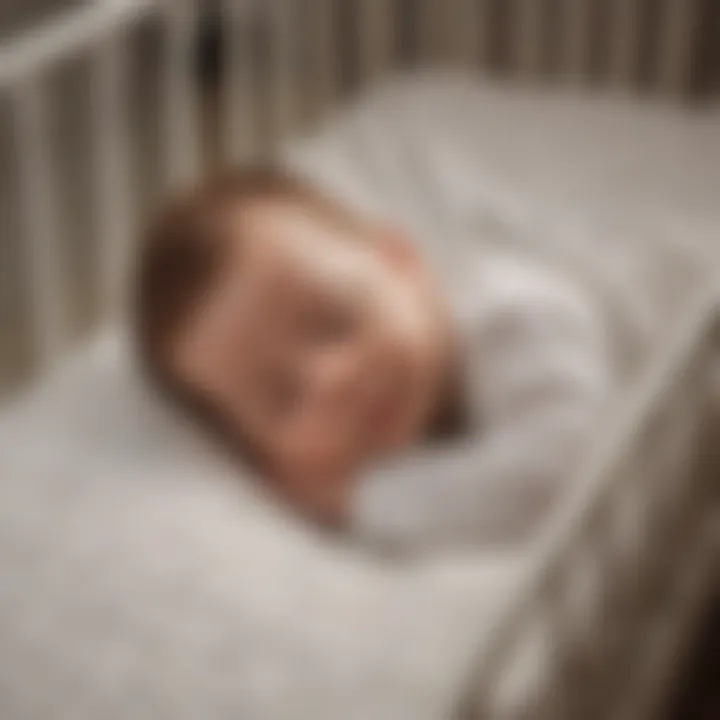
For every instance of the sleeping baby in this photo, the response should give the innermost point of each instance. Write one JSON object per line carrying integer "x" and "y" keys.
{"x": 370, "y": 395}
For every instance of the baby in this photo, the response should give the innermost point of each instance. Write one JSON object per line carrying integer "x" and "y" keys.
{"x": 324, "y": 350}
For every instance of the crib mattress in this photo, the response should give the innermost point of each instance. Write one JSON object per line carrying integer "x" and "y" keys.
{"x": 597, "y": 182}
{"x": 142, "y": 579}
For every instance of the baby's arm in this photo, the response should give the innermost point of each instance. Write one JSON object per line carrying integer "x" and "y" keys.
{"x": 543, "y": 377}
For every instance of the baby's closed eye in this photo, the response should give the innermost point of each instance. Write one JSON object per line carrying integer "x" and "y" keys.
{"x": 328, "y": 322}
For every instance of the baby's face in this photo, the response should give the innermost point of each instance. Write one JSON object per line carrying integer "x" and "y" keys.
{"x": 325, "y": 348}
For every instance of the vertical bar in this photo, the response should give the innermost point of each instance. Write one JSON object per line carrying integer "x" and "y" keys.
{"x": 487, "y": 26}
{"x": 39, "y": 209}
{"x": 323, "y": 53}
{"x": 449, "y": 30}
{"x": 675, "y": 46}
{"x": 237, "y": 102}
{"x": 625, "y": 16}
{"x": 281, "y": 81}
{"x": 469, "y": 31}
{"x": 453, "y": 30}
{"x": 430, "y": 28}
{"x": 375, "y": 33}
{"x": 113, "y": 167}
{"x": 180, "y": 110}
{"x": 576, "y": 16}
{"x": 528, "y": 35}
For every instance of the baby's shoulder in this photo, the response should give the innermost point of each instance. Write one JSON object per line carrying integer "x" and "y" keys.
{"x": 500, "y": 285}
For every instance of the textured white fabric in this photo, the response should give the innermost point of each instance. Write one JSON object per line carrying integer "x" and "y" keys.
{"x": 137, "y": 582}
{"x": 141, "y": 578}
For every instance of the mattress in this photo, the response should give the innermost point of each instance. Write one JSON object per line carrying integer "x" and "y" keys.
{"x": 623, "y": 192}
{"x": 142, "y": 577}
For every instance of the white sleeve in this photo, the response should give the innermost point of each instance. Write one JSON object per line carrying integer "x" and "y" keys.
{"x": 541, "y": 376}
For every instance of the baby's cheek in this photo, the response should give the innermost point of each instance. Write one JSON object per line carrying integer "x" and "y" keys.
{"x": 313, "y": 451}
{"x": 401, "y": 317}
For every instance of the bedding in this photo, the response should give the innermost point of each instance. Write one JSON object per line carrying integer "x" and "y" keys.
{"x": 142, "y": 578}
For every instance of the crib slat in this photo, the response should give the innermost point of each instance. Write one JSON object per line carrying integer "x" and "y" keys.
{"x": 449, "y": 30}
{"x": 323, "y": 53}
{"x": 430, "y": 29}
{"x": 577, "y": 29}
{"x": 282, "y": 48}
{"x": 113, "y": 168}
{"x": 375, "y": 34}
{"x": 323, "y": 43}
{"x": 475, "y": 21}
{"x": 528, "y": 36}
{"x": 462, "y": 21}
{"x": 625, "y": 17}
{"x": 39, "y": 207}
{"x": 464, "y": 31}
{"x": 181, "y": 135}
{"x": 676, "y": 45}
{"x": 483, "y": 30}
{"x": 238, "y": 106}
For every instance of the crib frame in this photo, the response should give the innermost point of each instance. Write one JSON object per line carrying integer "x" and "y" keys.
{"x": 445, "y": 32}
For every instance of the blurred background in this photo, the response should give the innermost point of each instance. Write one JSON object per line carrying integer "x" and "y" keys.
{"x": 87, "y": 149}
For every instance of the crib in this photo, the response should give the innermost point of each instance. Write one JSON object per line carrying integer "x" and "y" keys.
{"x": 612, "y": 621}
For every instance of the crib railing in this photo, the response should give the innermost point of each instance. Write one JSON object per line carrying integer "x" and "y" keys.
{"x": 98, "y": 31}
{"x": 626, "y": 565}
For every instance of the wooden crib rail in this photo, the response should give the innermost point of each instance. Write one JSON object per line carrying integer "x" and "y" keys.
{"x": 63, "y": 37}
{"x": 659, "y": 489}
{"x": 25, "y": 64}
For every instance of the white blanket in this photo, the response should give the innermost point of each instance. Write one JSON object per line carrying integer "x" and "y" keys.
{"x": 141, "y": 580}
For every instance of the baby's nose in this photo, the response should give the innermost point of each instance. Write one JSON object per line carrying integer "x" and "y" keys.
{"x": 338, "y": 378}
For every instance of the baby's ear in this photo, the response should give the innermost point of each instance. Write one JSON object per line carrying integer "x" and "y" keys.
{"x": 396, "y": 246}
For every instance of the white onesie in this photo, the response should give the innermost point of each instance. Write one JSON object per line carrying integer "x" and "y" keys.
{"x": 539, "y": 374}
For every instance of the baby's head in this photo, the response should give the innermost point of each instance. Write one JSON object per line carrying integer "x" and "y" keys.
{"x": 313, "y": 339}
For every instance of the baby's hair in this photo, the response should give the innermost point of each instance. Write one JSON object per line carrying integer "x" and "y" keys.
{"x": 182, "y": 254}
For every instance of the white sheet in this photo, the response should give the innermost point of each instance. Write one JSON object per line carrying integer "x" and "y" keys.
{"x": 137, "y": 582}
